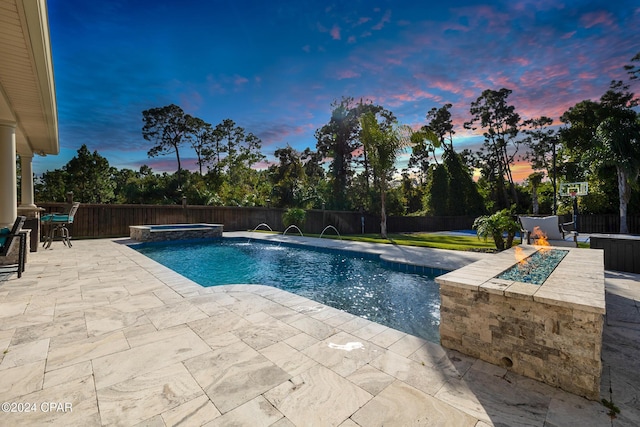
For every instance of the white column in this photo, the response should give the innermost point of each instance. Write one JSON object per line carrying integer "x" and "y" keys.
{"x": 26, "y": 168}
{"x": 8, "y": 184}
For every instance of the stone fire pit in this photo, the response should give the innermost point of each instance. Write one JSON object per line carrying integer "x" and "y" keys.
{"x": 550, "y": 332}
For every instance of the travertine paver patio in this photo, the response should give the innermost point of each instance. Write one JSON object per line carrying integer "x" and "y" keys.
{"x": 125, "y": 341}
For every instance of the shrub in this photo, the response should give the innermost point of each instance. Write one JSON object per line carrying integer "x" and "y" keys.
{"x": 294, "y": 216}
{"x": 495, "y": 226}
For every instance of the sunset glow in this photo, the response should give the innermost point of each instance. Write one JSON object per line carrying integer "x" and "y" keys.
{"x": 276, "y": 67}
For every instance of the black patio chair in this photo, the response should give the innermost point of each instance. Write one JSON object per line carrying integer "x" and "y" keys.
{"x": 7, "y": 237}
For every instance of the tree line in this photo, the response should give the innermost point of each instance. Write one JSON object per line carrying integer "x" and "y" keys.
{"x": 353, "y": 165}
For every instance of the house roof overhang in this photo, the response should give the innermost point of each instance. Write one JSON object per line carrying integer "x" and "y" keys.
{"x": 27, "y": 88}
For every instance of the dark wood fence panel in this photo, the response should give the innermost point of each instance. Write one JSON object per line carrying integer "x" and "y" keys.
{"x": 605, "y": 223}
{"x": 94, "y": 221}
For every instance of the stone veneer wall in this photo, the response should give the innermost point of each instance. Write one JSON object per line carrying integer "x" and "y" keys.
{"x": 549, "y": 333}
{"x": 146, "y": 234}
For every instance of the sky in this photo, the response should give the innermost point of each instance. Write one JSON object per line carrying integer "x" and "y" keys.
{"x": 275, "y": 67}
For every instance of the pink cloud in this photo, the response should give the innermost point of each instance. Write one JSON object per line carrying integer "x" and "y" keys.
{"x": 411, "y": 95}
{"x": 522, "y": 61}
{"x": 449, "y": 86}
{"x": 239, "y": 80}
{"x": 335, "y": 32}
{"x": 587, "y": 75}
{"x": 214, "y": 86}
{"x": 168, "y": 163}
{"x": 219, "y": 85}
{"x": 385, "y": 18}
{"x": 500, "y": 81}
{"x": 351, "y": 39}
{"x": 358, "y": 152}
{"x": 485, "y": 18}
{"x": 263, "y": 165}
{"x": 453, "y": 26}
{"x": 277, "y": 133}
{"x": 542, "y": 77}
{"x": 521, "y": 170}
{"x": 191, "y": 101}
{"x": 347, "y": 74}
{"x": 362, "y": 20}
{"x": 592, "y": 19}
{"x": 543, "y": 104}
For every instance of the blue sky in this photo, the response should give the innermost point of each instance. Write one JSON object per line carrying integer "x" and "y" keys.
{"x": 275, "y": 67}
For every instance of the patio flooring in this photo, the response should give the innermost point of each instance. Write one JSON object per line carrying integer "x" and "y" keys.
{"x": 98, "y": 334}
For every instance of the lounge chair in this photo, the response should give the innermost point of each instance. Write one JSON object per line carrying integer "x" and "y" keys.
{"x": 7, "y": 239}
{"x": 550, "y": 227}
{"x": 57, "y": 223}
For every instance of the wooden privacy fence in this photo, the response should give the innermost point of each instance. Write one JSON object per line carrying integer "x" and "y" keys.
{"x": 97, "y": 220}
{"x": 605, "y": 223}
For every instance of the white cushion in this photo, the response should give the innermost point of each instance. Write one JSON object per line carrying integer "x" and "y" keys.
{"x": 548, "y": 225}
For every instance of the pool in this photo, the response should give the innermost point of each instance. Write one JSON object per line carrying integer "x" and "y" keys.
{"x": 354, "y": 282}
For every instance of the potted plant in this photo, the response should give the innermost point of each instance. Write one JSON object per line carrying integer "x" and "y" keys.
{"x": 495, "y": 226}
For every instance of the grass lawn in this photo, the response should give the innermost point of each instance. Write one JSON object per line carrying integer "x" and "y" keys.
{"x": 428, "y": 240}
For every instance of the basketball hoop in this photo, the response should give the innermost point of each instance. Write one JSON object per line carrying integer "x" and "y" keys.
{"x": 574, "y": 189}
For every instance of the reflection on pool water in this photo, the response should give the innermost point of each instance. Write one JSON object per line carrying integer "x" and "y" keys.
{"x": 355, "y": 283}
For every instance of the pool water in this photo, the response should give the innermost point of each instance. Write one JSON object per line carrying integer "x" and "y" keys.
{"x": 355, "y": 283}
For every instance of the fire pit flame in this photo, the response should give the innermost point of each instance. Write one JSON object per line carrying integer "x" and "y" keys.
{"x": 539, "y": 237}
{"x": 521, "y": 257}
{"x": 535, "y": 268}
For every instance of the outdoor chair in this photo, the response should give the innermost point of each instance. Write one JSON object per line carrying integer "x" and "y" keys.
{"x": 7, "y": 239}
{"x": 554, "y": 231}
{"x": 58, "y": 224}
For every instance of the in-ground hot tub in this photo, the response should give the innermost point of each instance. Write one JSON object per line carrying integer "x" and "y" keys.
{"x": 551, "y": 332}
{"x": 157, "y": 233}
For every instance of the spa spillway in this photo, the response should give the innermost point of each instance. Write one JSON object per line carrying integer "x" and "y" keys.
{"x": 157, "y": 233}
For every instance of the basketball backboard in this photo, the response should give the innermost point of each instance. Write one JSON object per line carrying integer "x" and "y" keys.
{"x": 574, "y": 189}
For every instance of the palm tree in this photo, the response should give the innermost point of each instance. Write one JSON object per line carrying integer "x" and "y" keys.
{"x": 535, "y": 179}
{"x": 619, "y": 145}
{"x": 382, "y": 146}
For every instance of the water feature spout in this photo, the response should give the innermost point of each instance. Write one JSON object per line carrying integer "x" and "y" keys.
{"x": 260, "y": 225}
{"x": 290, "y": 227}
{"x": 332, "y": 227}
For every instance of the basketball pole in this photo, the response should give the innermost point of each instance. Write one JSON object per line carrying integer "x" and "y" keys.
{"x": 555, "y": 190}
{"x": 575, "y": 212}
